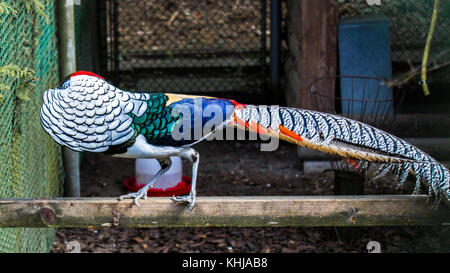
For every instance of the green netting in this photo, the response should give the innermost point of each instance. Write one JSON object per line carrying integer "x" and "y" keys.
{"x": 30, "y": 162}
{"x": 410, "y": 23}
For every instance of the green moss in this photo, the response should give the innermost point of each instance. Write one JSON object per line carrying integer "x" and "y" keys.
{"x": 38, "y": 8}
{"x": 17, "y": 72}
{"x": 26, "y": 79}
{"x": 5, "y": 9}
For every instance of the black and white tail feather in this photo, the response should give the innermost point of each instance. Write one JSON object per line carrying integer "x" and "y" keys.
{"x": 354, "y": 140}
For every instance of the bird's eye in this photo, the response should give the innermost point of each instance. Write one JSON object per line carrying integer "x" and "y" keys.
{"x": 65, "y": 85}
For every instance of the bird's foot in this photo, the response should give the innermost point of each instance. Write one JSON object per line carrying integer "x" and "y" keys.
{"x": 185, "y": 198}
{"x": 142, "y": 193}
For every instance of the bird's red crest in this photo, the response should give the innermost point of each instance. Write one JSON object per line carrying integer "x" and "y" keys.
{"x": 86, "y": 73}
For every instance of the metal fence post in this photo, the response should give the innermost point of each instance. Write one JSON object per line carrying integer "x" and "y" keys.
{"x": 67, "y": 61}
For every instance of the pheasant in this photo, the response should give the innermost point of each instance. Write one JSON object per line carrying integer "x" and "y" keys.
{"x": 86, "y": 113}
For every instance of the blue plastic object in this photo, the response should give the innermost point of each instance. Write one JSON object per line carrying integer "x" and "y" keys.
{"x": 364, "y": 50}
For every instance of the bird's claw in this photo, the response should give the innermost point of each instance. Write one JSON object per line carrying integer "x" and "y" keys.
{"x": 136, "y": 195}
{"x": 185, "y": 198}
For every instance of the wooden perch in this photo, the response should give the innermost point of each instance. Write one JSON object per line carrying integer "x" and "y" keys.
{"x": 224, "y": 211}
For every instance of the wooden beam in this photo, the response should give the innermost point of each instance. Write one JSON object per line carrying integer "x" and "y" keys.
{"x": 319, "y": 51}
{"x": 312, "y": 42}
{"x": 224, "y": 211}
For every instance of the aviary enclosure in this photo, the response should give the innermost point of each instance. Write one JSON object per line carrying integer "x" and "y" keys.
{"x": 384, "y": 64}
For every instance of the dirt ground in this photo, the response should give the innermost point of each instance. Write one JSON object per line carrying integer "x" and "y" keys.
{"x": 233, "y": 168}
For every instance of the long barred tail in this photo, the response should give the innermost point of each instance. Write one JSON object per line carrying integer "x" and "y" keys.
{"x": 347, "y": 138}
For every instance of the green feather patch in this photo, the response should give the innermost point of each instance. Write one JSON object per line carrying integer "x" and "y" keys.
{"x": 157, "y": 122}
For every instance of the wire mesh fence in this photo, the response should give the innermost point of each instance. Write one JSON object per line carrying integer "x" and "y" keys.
{"x": 223, "y": 46}
{"x": 409, "y": 27}
{"x": 362, "y": 98}
{"x": 30, "y": 162}
{"x": 189, "y": 46}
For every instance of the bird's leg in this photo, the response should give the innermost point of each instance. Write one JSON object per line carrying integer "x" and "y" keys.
{"x": 142, "y": 193}
{"x": 194, "y": 157}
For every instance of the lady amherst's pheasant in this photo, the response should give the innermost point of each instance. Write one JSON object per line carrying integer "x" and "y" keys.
{"x": 88, "y": 114}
